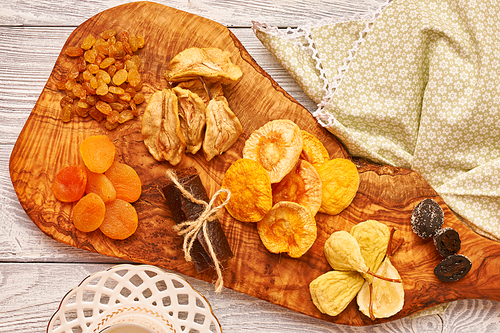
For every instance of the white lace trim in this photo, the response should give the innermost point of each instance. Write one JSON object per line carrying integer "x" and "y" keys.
{"x": 302, "y": 37}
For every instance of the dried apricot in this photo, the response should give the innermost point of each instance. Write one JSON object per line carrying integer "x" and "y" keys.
{"x": 125, "y": 181}
{"x": 99, "y": 184}
{"x": 301, "y": 185}
{"x": 120, "y": 220}
{"x": 276, "y": 146}
{"x": 315, "y": 150}
{"x": 340, "y": 180}
{"x": 250, "y": 189}
{"x": 88, "y": 213}
{"x": 288, "y": 227}
{"x": 98, "y": 153}
{"x": 69, "y": 184}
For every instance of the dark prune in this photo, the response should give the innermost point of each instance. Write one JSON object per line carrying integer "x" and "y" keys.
{"x": 447, "y": 241}
{"x": 453, "y": 268}
{"x": 427, "y": 218}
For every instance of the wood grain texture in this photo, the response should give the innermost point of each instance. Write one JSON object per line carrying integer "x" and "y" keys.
{"x": 45, "y": 145}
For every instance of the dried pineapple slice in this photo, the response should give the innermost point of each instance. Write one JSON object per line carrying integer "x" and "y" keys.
{"x": 315, "y": 150}
{"x": 250, "y": 188}
{"x": 288, "y": 227}
{"x": 340, "y": 179}
{"x": 277, "y": 146}
{"x": 301, "y": 185}
{"x": 333, "y": 291}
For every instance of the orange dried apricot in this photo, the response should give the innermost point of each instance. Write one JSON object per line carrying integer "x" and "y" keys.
{"x": 88, "y": 213}
{"x": 340, "y": 179}
{"x": 69, "y": 184}
{"x": 120, "y": 220}
{"x": 99, "y": 184}
{"x": 301, "y": 185}
{"x": 125, "y": 181}
{"x": 288, "y": 227}
{"x": 315, "y": 150}
{"x": 98, "y": 153}
{"x": 250, "y": 188}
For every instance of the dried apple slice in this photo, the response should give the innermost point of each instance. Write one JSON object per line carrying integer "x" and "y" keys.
{"x": 314, "y": 149}
{"x": 276, "y": 146}
{"x": 250, "y": 189}
{"x": 301, "y": 185}
{"x": 288, "y": 227}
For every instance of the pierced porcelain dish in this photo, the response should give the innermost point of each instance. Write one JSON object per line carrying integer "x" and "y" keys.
{"x": 142, "y": 295}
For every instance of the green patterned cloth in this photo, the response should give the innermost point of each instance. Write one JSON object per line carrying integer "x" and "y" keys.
{"x": 415, "y": 85}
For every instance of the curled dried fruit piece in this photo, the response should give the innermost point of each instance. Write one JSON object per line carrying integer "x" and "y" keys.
{"x": 315, "y": 150}
{"x": 333, "y": 291}
{"x": 69, "y": 184}
{"x": 453, "y": 268}
{"x": 250, "y": 189}
{"x": 276, "y": 146}
{"x": 340, "y": 180}
{"x": 301, "y": 185}
{"x": 288, "y": 227}
{"x": 120, "y": 220}
{"x": 192, "y": 118}
{"x": 447, "y": 241}
{"x": 125, "y": 181}
{"x": 427, "y": 218}
{"x": 98, "y": 153}
{"x": 88, "y": 213}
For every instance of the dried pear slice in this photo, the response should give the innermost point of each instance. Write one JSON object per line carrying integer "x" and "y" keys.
{"x": 277, "y": 146}
{"x": 250, "y": 188}
{"x": 387, "y": 298}
{"x": 197, "y": 87}
{"x": 373, "y": 239}
{"x": 301, "y": 185}
{"x": 288, "y": 227}
{"x": 333, "y": 291}
{"x": 343, "y": 253}
{"x": 212, "y": 63}
{"x": 340, "y": 179}
{"x": 151, "y": 124}
{"x": 314, "y": 149}
{"x": 171, "y": 138}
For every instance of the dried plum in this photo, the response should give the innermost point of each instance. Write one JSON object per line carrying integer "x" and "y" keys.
{"x": 453, "y": 268}
{"x": 427, "y": 218}
{"x": 447, "y": 241}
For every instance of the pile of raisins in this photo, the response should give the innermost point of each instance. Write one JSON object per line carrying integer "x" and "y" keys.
{"x": 104, "y": 83}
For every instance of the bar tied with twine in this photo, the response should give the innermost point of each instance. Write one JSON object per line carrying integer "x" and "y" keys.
{"x": 205, "y": 243}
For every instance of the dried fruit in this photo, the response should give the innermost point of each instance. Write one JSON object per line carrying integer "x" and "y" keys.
{"x": 427, "y": 218}
{"x": 453, "y": 268}
{"x": 340, "y": 180}
{"x": 447, "y": 241}
{"x": 314, "y": 149}
{"x": 276, "y": 146}
{"x": 69, "y": 184}
{"x": 99, "y": 184}
{"x": 120, "y": 220}
{"x": 288, "y": 227}
{"x": 98, "y": 153}
{"x": 301, "y": 185}
{"x": 88, "y": 213}
{"x": 250, "y": 189}
{"x": 333, "y": 291}
{"x": 125, "y": 180}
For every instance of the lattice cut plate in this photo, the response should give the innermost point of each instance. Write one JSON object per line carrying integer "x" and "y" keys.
{"x": 141, "y": 294}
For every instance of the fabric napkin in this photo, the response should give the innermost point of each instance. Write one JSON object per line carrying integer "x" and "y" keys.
{"x": 415, "y": 85}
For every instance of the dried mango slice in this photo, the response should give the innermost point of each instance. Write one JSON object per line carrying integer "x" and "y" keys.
{"x": 301, "y": 185}
{"x": 288, "y": 227}
{"x": 340, "y": 184}
{"x": 315, "y": 150}
{"x": 333, "y": 291}
{"x": 276, "y": 146}
{"x": 250, "y": 188}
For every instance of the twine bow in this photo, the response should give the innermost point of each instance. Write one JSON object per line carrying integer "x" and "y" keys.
{"x": 190, "y": 229}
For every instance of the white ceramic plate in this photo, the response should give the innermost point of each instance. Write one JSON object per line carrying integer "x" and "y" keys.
{"x": 141, "y": 294}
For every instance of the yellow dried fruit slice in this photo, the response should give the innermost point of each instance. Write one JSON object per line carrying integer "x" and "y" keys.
{"x": 315, "y": 150}
{"x": 276, "y": 146}
{"x": 250, "y": 189}
{"x": 343, "y": 253}
{"x": 340, "y": 179}
{"x": 288, "y": 227}
{"x": 301, "y": 185}
{"x": 333, "y": 291}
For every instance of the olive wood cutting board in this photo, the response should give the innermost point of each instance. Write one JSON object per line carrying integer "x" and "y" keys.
{"x": 386, "y": 194}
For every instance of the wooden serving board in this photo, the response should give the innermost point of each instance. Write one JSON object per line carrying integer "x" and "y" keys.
{"x": 386, "y": 194}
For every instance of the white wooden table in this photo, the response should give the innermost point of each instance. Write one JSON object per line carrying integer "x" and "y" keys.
{"x": 37, "y": 271}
